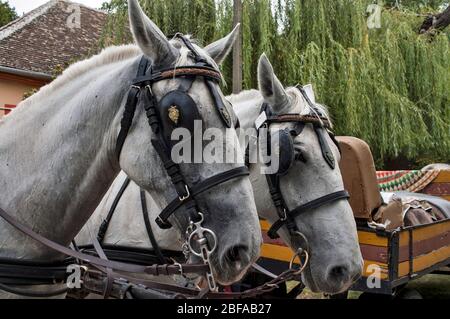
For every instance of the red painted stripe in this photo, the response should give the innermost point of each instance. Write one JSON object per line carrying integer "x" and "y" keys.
{"x": 438, "y": 189}
{"x": 374, "y": 253}
{"x": 425, "y": 246}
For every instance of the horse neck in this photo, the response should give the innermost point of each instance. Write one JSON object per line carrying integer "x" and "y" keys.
{"x": 57, "y": 152}
{"x": 247, "y": 106}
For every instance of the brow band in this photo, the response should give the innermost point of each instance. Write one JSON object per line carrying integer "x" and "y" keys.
{"x": 187, "y": 72}
{"x": 300, "y": 118}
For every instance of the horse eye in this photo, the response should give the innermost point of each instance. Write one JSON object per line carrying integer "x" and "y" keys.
{"x": 299, "y": 156}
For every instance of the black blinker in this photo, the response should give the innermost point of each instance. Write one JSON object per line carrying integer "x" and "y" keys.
{"x": 177, "y": 109}
{"x": 326, "y": 150}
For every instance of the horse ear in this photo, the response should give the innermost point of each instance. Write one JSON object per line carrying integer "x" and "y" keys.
{"x": 149, "y": 37}
{"x": 220, "y": 49}
{"x": 270, "y": 87}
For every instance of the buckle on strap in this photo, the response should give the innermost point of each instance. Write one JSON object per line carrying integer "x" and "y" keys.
{"x": 284, "y": 216}
{"x": 324, "y": 200}
{"x": 162, "y": 223}
{"x": 187, "y": 196}
{"x": 200, "y": 188}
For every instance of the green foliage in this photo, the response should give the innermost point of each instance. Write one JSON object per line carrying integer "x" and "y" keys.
{"x": 388, "y": 86}
{"x": 414, "y": 4}
{"x": 7, "y": 14}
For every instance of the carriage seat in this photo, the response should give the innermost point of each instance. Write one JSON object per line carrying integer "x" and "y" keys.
{"x": 360, "y": 178}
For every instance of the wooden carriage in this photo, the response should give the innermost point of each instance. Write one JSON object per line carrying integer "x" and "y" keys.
{"x": 392, "y": 257}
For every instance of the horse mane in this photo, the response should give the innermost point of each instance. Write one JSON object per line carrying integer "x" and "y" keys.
{"x": 245, "y": 95}
{"x": 108, "y": 56}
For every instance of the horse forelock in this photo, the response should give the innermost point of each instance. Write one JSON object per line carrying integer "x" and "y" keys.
{"x": 298, "y": 99}
{"x": 184, "y": 58}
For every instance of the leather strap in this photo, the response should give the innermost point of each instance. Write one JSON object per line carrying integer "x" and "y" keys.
{"x": 127, "y": 120}
{"x": 198, "y": 58}
{"x": 289, "y": 118}
{"x": 199, "y": 189}
{"x": 220, "y": 105}
{"x": 105, "y": 224}
{"x": 148, "y": 227}
{"x": 130, "y": 109}
{"x": 277, "y": 197}
{"x": 168, "y": 74}
{"x": 327, "y": 199}
{"x": 109, "y": 273}
{"x": 156, "y": 270}
{"x": 132, "y": 255}
{"x": 324, "y": 147}
{"x": 32, "y": 294}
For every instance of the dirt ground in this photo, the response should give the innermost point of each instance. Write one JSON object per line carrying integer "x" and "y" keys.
{"x": 430, "y": 287}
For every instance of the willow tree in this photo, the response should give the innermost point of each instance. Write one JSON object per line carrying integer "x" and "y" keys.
{"x": 389, "y": 86}
{"x": 7, "y": 13}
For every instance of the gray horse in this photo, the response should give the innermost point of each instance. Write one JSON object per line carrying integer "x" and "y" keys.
{"x": 336, "y": 260}
{"x": 58, "y": 153}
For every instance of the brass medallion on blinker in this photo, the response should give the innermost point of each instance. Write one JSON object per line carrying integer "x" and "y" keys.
{"x": 174, "y": 114}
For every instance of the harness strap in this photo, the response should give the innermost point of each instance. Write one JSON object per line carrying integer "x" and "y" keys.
{"x": 198, "y": 58}
{"x": 324, "y": 147}
{"x": 305, "y": 119}
{"x": 32, "y": 294}
{"x": 200, "y": 188}
{"x": 168, "y": 74}
{"x": 327, "y": 199}
{"x": 127, "y": 120}
{"x": 280, "y": 204}
{"x": 132, "y": 255}
{"x": 220, "y": 105}
{"x": 156, "y": 270}
{"x": 172, "y": 169}
{"x": 148, "y": 226}
{"x": 105, "y": 224}
{"x": 130, "y": 109}
{"x": 109, "y": 273}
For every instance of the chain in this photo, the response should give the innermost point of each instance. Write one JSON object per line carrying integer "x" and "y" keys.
{"x": 288, "y": 275}
{"x": 197, "y": 234}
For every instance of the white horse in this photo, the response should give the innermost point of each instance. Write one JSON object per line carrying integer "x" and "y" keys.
{"x": 336, "y": 260}
{"x": 57, "y": 153}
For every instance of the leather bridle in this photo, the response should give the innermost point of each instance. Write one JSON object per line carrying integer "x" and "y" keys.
{"x": 286, "y": 215}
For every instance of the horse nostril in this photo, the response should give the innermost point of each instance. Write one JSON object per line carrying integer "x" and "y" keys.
{"x": 236, "y": 253}
{"x": 339, "y": 273}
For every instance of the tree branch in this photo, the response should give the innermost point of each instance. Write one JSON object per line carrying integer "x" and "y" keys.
{"x": 436, "y": 22}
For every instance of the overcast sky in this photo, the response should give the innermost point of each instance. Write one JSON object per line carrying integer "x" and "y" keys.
{"x": 23, "y": 6}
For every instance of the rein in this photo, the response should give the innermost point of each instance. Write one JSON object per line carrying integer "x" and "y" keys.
{"x": 135, "y": 269}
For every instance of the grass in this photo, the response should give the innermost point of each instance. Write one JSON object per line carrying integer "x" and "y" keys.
{"x": 430, "y": 287}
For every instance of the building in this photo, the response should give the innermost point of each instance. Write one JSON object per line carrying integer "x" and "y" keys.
{"x": 35, "y": 46}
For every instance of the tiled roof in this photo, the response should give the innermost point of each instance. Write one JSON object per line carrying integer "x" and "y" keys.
{"x": 48, "y": 37}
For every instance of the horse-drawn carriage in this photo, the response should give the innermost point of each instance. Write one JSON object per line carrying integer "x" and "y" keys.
{"x": 396, "y": 250}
